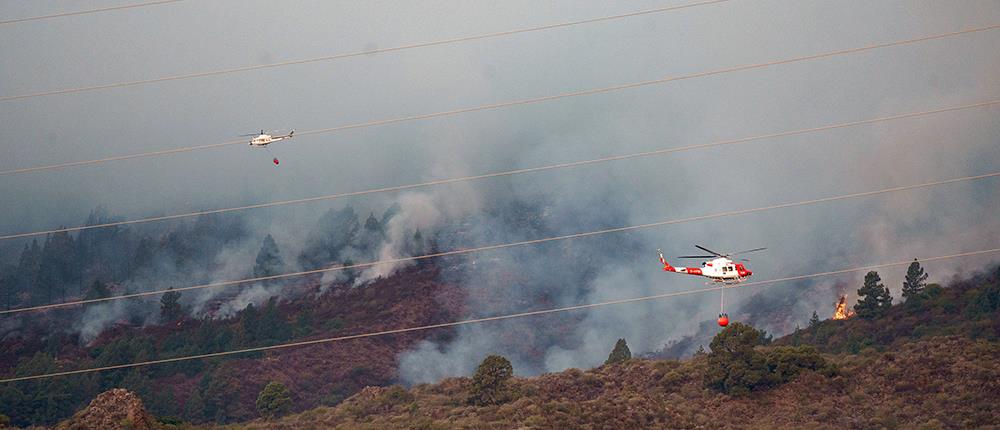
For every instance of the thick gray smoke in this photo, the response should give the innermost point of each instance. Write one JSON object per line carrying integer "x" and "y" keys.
{"x": 943, "y": 220}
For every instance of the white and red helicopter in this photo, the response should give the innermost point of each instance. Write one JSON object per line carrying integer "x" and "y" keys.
{"x": 262, "y": 139}
{"x": 720, "y": 269}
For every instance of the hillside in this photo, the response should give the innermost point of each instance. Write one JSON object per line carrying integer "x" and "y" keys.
{"x": 967, "y": 307}
{"x": 225, "y": 389}
{"x": 943, "y": 382}
{"x": 932, "y": 362}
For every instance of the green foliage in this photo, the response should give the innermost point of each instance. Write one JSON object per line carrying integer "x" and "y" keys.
{"x": 785, "y": 362}
{"x": 170, "y": 306}
{"x": 43, "y": 401}
{"x": 491, "y": 383}
{"x": 194, "y": 408}
{"x": 334, "y": 324}
{"x": 336, "y": 231}
{"x": 736, "y": 366}
{"x": 985, "y": 301}
{"x": 98, "y": 290}
{"x": 265, "y": 326}
{"x": 4, "y": 420}
{"x": 59, "y": 267}
{"x": 873, "y": 298}
{"x": 620, "y": 353}
{"x": 916, "y": 280}
{"x": 269, "y": 261}
{"x": 274, "y": 400}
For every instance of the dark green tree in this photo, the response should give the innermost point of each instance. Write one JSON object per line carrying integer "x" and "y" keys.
{"x": 27, "y": 270}
{"x": 143, "y": 255}
{"x": 194, "y": 408}
{"x": 8, "y": 286}
{"x": 734, "y": 365}
{"x": 269, "y": 261}
{"x": 701, "y": 351}
{"x": 98, "y": 290}
{"x": 336, "y": 231}
{"x": 916, "y": 280}
{"x": 814, "y": 321}
{"x": 250, "y": 322}
{"x": 274, "y": 400}
{"x": 372, "y": 224}
{"x": 620, "y": 353}
{"x": 170, "y": 306}
{"x": 491, "y": 383}
{"x": 873, "y": 298}
{"x": 415, "y": 245}
{"x": 273, "y": 327}
{"x": 59, "y": 266}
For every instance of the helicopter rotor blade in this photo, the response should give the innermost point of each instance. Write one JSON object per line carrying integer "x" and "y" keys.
{"x": 697, "y": 256}
{"x": 708, "y": 250}
{"x": 749, "y": 250}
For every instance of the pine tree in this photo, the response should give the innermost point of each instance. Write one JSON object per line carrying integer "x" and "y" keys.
{"x": 250, "y": 322}
{"x": 269, "y": 262}
{"x": 143, "y": 254}
{"x": 170, "y": 307}
{"x": 916, "y": 280}
{"x": 620, "y": 353}
{"x": 701, "y": 351}
{"x": 98, "y": 290}
{"x": 272, "y": 326}
{"x": 873, "y": 298}
{"x": 274, "y": 400}
{"x": 372, "y": 224}
{"x": 814, "y": 320}
{"x": 59, "y": 266}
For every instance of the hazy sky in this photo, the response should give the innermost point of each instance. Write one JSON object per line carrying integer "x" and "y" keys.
{"x": 200, "y": 35}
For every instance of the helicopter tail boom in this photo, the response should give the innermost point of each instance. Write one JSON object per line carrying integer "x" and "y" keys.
{"x": 668, "y": 268}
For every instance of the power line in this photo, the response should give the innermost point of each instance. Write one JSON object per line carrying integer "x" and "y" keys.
{"x": 506, "y": 245}
{"x": 487, "y": 319}
{"x": 358, "y": 53}
{"x": 516, "y": 102}
{"x": 508, "y": 172}
{"x": 89, "y": 11}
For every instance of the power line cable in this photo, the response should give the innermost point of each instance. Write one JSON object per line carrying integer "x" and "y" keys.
{"x": 515, "y": 102}
{"x": 87, "y": 12}
{"x": 356, "y": 54}
{"x": 509, "y": 172}
{"x": 487, "y": 319}
{"x": 504, "y": 245}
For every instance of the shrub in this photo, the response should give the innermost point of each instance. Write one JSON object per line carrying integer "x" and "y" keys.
{"x": 274, "y": 400}
{"x": 620, "y": 353}
{"x": 491, "y": 383}
{"x": 784, "y": 362}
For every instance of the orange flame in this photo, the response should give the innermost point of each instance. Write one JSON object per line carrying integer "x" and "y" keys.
{"x": 842, "y": 312}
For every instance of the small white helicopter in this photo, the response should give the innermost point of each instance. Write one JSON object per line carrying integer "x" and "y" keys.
{"x": 720, "y": 269}
{"x": 264, "y": 139}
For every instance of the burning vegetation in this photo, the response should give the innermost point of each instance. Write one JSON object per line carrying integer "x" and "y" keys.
{"x": 842, "y": 312}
